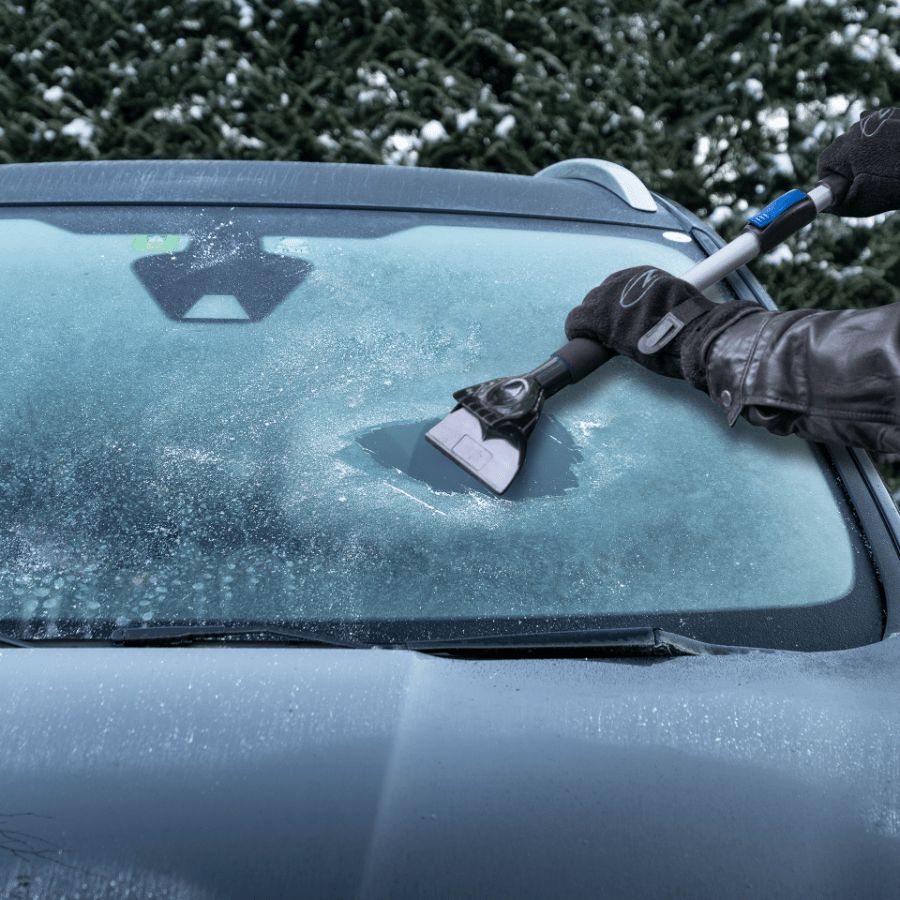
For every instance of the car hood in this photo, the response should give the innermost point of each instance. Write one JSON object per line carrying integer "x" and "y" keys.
{"x": 227, "y": 772}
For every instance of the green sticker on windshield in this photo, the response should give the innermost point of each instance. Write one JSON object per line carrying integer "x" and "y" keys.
{"x": 155, "y": 243}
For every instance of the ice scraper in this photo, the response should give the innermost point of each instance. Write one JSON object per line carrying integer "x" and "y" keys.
{"x": 487, "y": 432}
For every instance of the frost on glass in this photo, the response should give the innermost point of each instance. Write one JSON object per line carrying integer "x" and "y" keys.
{"x": 153, "y": 469}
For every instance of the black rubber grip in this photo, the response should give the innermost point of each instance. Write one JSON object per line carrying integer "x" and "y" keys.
{"x": 787, "y": 223}
{"x": 838, "y": 185}
{"x": 582, "y": 356}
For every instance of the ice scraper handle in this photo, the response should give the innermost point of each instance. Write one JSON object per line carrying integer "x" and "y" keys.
{"x": 764, "y": 231}
{"x": 581, "y": 356}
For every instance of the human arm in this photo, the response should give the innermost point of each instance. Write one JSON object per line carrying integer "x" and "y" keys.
{"x": 826, "y": 376}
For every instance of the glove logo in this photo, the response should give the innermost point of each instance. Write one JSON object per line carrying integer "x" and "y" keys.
{"x": 872, "y": 123}
{"x": 637, "y": 287}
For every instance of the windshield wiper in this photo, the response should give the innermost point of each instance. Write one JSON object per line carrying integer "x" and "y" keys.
{"x": 7, "y": 640}
{"x": 641, "y": 641}
{"x": 177, "y": 635}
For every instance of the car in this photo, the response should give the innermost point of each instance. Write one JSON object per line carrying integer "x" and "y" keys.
{"x": 260, "y": 639}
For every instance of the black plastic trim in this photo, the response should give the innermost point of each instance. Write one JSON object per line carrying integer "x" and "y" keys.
{"x": 876, "y": 508}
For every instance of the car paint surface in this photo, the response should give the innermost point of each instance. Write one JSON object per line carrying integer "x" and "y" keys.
{"x": 221, "y": 772}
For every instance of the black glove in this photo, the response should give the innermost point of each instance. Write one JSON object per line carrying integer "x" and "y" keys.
{"x": 868, "y": 156}
{"x": 619, "y": 313}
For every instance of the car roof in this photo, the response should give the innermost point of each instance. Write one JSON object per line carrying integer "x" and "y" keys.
{"x": 336, "y": 185}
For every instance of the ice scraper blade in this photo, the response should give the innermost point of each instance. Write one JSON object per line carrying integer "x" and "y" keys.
{"x": 492, "y": 460}
{"x": 486, "y": 434}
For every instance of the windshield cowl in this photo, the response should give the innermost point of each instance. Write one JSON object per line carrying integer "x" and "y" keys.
{"x": 643, "y": 641}
{"x": 177, "y": 635}
{"x": 639, "y": 641}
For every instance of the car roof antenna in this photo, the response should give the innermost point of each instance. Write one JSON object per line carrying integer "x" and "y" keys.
{"x": 487, "y": 432}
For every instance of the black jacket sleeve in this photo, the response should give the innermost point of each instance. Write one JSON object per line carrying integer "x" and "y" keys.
{"x": 832, "y": 377}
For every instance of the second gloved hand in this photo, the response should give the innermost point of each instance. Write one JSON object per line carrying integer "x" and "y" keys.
{"x": 868, "y": 156}
{"x": 619, "y": 312}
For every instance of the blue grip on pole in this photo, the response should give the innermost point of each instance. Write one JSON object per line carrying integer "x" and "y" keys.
{"x": 767, "y": 216}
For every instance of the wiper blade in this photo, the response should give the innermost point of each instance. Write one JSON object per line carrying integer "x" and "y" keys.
{"x": 640, "y": 641}
{"x": 178, "y": 635}
{"x": 7, "y": 640}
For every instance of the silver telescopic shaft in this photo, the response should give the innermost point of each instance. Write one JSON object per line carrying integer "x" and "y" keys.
{"x": 744, "y": 248}
{"x": 821, "y": 196}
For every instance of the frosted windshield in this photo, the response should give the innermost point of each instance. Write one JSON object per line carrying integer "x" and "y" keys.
{"x": 191, "y": 430}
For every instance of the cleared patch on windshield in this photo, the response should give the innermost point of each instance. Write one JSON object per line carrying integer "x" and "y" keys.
{"x": 551, "y": 469}
{"x": 224, "y": 275}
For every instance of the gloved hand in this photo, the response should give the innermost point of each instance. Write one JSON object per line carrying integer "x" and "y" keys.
{"x": 867, "y": 155}
{"x": 619, "y": 312}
